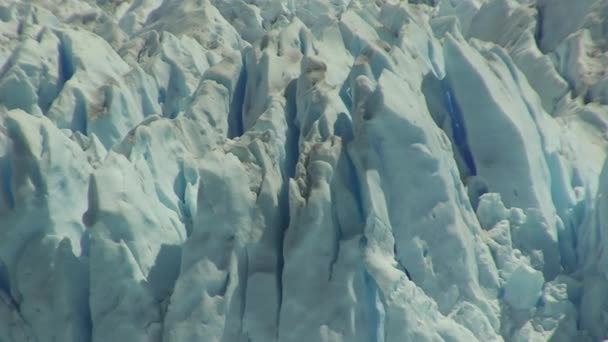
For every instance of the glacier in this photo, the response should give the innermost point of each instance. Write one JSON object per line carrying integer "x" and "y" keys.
{"x": 303, "y": 170}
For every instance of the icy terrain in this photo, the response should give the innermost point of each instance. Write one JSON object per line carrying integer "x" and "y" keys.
{"x": 303, "y": 170}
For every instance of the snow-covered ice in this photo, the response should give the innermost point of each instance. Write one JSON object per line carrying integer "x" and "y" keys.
{"x": 303, "y": 170}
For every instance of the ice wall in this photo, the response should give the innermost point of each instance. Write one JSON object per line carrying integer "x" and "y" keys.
{"x": 269, "y": 170}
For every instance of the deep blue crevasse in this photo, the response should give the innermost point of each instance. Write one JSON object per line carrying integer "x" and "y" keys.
{"x": 375, "y": 309}
{"x": 458, "y": 129}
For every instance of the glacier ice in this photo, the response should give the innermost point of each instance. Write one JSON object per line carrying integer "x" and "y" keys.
{"x": 315, "y": 170}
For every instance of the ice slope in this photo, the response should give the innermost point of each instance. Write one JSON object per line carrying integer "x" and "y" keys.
{"x": 271, "y": 170}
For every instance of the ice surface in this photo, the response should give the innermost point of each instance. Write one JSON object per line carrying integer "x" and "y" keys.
{"x": 285, "y": 170}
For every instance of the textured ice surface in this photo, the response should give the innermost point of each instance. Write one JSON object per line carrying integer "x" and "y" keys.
{"x": 315, "y": 170}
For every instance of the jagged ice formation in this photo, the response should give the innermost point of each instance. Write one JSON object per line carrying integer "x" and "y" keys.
{"x": 303, "y": 170}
